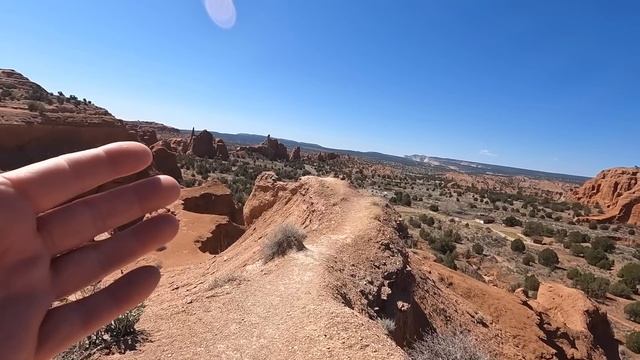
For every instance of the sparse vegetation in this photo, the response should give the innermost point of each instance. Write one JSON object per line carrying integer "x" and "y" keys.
{"x": 447, "y": 346}
{"x": 284, "y": 238}
{"x": 120, "y": 336}
{"x": 632, "y": 341}
{"x": 528, "y": 259}
{"x": 531, "y": 283}
{"x": 593, "y": 286}
{"x": 630, "y": 274}
{"x": 517, "y": 245}
{"x": 511, "y": 221}
{"x": 387, "y": 324}
{"x": 620, "y": 289}
{"x": 548, "y": 257}
{"x": 632, "y": 311}
{"x": 478, "y": 249}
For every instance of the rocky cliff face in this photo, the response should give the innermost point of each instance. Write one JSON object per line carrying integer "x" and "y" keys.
{"x": 617, "y": 192}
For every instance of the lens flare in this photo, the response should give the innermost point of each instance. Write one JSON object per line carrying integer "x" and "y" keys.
{"x": 222, "y": 12}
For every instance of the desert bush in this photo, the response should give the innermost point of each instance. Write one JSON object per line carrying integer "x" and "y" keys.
{"x": 517, "y": 245}
{"x": 414, "y": 222}
{"x": 604, "y": 227}
{"x": 120, "y": 335}
{"x": 447, "y": 346}
{"x": 632, "y": 310}
{"x": 632, "y": 341}
{"x": 511, "y": 221}
{"x": 423, "y": 218}
{"x": 535, "y": 228}
{"x": 578, "y": 250}
{"x": 605, "y": 264}
{"x": 449, "y": 260}
{"x": 593, "y": 286}
{"x": 630, "y": 274}
{"x": 477, "y": 248}
{"x": 603, "y": 243}
{"x": 620, "y": 289}
{"x": 593, "y": 225}
{"x": 389, "y": 325}
{"x": 632, "y": 232}
{"x": 531, "y": 283}
{"x": 443, "y": 245}
{"x": 285, "y": 238}
{"x": 528, "y": 259}
{"x": 576, "y": 237}
{"x": 597, "y": 258}
{"x": 35, "y": 106}
{"x": 573, "y": 273}
{"x": 549, "y": 258}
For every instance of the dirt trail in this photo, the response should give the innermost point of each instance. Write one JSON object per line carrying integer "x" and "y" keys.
{"x": 280, "y": 310}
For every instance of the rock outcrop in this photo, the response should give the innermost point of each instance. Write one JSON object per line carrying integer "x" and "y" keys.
{"x": 164, "y": 160}
{"x": 270, "y": 149}
{"x": 266, "y": 191}
{"x": 295, "y": 154}
{"x": 586, "y": 329}
{"x": 147, "y": 136}
{"x": 221, "y": 150}
{"x": 60, "y": 125}
{"x": 617, "y": 192}
{"x": 202, "y": 145}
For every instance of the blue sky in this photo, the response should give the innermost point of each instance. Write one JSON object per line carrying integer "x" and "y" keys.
{"x": 549, "y": 85}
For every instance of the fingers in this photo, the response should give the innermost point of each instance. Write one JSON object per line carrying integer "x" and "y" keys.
{"x": 52, "y": 182}
{"x": 74, "y": 224}
{"x": 77, "y": 269}
{"x": 69, "y": 323}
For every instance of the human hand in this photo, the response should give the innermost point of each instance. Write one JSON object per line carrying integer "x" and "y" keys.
{"x": 46, "y": 252}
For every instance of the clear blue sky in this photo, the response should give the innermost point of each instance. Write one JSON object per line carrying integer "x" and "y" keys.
{"x": 549, "y": 85}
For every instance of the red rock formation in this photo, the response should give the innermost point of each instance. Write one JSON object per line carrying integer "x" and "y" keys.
{"x": 271, "y": 149}
{"x": 202, "y": 145}
{"x": 147, "y": 136}
{"x": 164, "y": 160}
{"x": 295, "y": 155}
{"x": 221, "y": 150}
{"x": 266, "y": 191}
{"x": 617, "y": 191}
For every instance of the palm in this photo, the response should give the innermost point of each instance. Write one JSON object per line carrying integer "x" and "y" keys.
{"x": 45, "y": 252}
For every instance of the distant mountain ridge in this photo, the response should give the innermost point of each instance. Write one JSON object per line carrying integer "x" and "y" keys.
{"x": 490, "y": 169}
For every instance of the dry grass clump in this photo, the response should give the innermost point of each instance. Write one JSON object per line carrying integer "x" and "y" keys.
{"x": 223, "y": 280}
{"x": 387, "y": 324}
{"x": 285, "y": 238}
{"x": 447, "y": 347}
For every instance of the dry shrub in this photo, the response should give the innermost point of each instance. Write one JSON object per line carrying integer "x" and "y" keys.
{"x": 387, "y": 324}
{"x": 447, "y": 347}
{"x": 285, "y": 238}
{"x": 118, "y": 336}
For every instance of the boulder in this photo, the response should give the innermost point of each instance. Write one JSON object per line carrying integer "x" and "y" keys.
{"x": 164, "y": 160}
{"x": 202, "y": 145}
